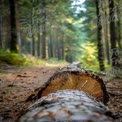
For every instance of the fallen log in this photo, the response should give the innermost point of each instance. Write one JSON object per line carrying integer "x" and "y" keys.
{"x": 70, "y": 95}
{"x": 75, "y": 78}
{"x": 67, "y": 106}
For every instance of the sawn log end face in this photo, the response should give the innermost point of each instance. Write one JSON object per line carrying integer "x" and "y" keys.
{"x": 75, "y": 80}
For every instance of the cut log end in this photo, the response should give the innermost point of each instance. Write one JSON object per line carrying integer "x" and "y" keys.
{"x": 70, "y": 95}
{"x": 75, "y": 80}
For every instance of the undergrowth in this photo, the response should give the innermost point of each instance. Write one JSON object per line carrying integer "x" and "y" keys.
{"x": 12, "y": 58}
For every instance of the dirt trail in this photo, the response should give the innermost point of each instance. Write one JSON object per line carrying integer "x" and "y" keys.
{"x": 17, "y": 84}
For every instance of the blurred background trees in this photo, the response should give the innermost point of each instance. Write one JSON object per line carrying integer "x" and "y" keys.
{"x": 68, "y": 30}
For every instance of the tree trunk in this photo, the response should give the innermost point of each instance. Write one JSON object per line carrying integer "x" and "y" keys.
{"x": 13, "y": 41}
{"x": 75, "y": 78}
{"x": 19, "y": 41}
{"x": 58, "y": 44}
{"x": 62, "y": 46}
{"x": 107, "y": 49}
{"x": 44, "y": 56}
{"x": 32, "y": 31}
{"x": 39, "y": 38}
{"x": 33, "y": 41}
{"x": 67, "y": 106}
{"x": 1, "y": 45}
{"x": 119, "y": 29}
{"x": 19, "y": 35}
{"x": 66, "y": 96}
{"x": 51, "y": 45}
{"x": 39, "y": 42}
{"x": 113, "y": 36}
{"x": 99, "y": 39}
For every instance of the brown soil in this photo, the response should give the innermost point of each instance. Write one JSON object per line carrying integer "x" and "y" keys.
{"x": 16, "y": 84}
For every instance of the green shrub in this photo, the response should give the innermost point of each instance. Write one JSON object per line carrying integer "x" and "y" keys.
{"x": 12, "y": 58}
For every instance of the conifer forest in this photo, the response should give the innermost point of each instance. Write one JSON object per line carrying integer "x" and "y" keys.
{"x": 50, "y": 45}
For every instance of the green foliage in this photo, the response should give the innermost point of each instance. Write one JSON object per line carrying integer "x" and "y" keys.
{"x": 12, "y": 58}
{"x": 89, "y": 55}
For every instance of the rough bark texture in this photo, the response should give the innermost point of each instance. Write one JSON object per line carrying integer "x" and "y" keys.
{"x": 44, "y": 43}
{"x": 1, "y": 45}
{"x": 119, "y": 29}
{"x": 70, "y": 95}
{"x": 32, "y": 32}
{"x": 73, "y": 77}
{"x": 13, "y": 41}
{"x": 113, "y": 35}
{"x": 99, "y": 38}
{"x": 68, "y": 106}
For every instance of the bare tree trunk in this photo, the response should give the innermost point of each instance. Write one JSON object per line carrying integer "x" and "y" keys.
{"x": 99, "y": 39}
{"x": 1, "y": 24}
{"x": 50, "y": 48}
{"x": 39, "y": 42}
{"x": 58, "y": 44}
{"x": 1, "y": 30}
{"x": 107, "y": 49}
{"x": 39, "y": 38}
{"x": 19, "y": 36}
{"x": 62, "y": 46}
{"x": 119, "y": 29}
{"x": 44, "y": 56}
{"x": 33, "y": 41}
{"x": 113, "y": 36}
{"x": 13, "y": 41}
{"x": 50, "y": 45}
{"x": 19, "y": 42}
{"x": 32, "y": 32}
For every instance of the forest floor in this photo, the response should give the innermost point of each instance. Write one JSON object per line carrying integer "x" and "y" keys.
{"x": 16, "y": 84}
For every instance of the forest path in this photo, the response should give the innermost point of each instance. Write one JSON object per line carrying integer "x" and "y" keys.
{"x": 16, "y": 84}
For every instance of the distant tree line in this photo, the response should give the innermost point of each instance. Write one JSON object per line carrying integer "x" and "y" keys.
{"x": 57, "y": 29}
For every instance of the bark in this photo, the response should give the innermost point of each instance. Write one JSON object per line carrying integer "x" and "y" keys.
{"x": 19, "y": 41}
{"x": 99, "y": 39}
{"x": 62, "y": 46}
{"x": 67, "y": 106}
{"x": 19, "y": 36}
{"x": 39, "y": 37}
{"x": 44, "y": 43}
{"x": 69, "y": 96}
{"x": 32, "y": 32}
{"x": 119, "y": 29}
{"x": 1, "y": 24}
{"x": 58, "y": 44}
{"x": 73, "y": 77}
{"x": 107, "y": 49}
{"x": 33, "y": 42}
{"x": 1, "y": 30}
{"x": 113, "y": 36}
{"x": 39, "y": 42}
{"x": 69, "y": 55}
{"x": 13, "y": 41}
{"x": 51, "y": 45}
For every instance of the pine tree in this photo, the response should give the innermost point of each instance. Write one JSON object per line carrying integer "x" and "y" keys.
{"x": 13, "y": 41}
